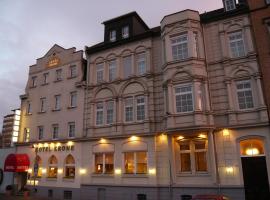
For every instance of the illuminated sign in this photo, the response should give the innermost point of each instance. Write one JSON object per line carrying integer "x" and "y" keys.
{"x": 54, "y": 62}
{"x": 56, "y": 148}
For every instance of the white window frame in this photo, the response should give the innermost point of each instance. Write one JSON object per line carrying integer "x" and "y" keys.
{"x": 141, "y": 63}
{"x": 129, "y": 103}
{"x": 184, "y": 93}
{"x": 112, "y": 70}
{"x": 125, "y": 32}
{"x": 73, "y": 99}
{"x": 243, "y": 90}
{"x": 112, "y": 35}
{"x": 71, "y": 129}
{"x": 55, "y": 127}
{"x": 229, "y": 5}
{"x": 138, "y": 105}
{"x": 100, "y": 72}
{"x": 180, "y": 44}
{"x": 109, "y": 112}
{"x": 103, "y": 162}
{"x": 99, "y": 111}
{"x": 233, "y": 40}
{"x": 57, "y": 105}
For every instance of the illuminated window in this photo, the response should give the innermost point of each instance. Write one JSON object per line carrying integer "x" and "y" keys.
{"x": 104, "y": 163}
{"x": 140, "y": 108}
{"x": 112, "y": 35}
{"x": 112, "y": 70}
{"x": 229, "y": 5}
{"x": 99, "y": 71}
{"x": 127, "y": 66}
{"x": 45, "y": 78}
{"x": 184, "y": 98}
{"x": 71, "y": 129}
{"x": 38, "y": 162}
{"x": 99, "y": 113}
{"x": 73, "y": 71}
{"x": 40, "y": 132}
{"x": 69, "y": 167}
{"x": 141, "y": 63}
{"x": 129, "y": 109}
{"x": 55, "y": 130}
{"x": 58, "y": 76}
{"x": 193, "y": 156}
{"x": 125, "y": 32}
{"x": 252, "y": 147}
{"x": 179, "y": 47}
{"x": 135, "y": 162}
{"x": 57, "y": 102}
{"x": 244, "y": 94}
{"x": 73, "y": 99}
{"x": 52, "y": 168}
{"x": 34, "y": 81}
{"x": 236, "y": 44}
{"x": 43, "y": 104}
{"x": 109, "y": 108}
{"x": 26, "y": 136}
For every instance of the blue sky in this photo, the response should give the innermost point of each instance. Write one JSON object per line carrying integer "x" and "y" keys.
{"x": 29, "y": 28}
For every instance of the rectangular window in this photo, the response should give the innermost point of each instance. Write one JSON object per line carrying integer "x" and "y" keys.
{"x": 45, "y": 78}
{"x": 184, "y": 98}
{"x": 112, "y": 35}
{"x": 135, "y": 162}
{"x": 127, "y": 66}
{"x": 43, "y": 104}
{"x": 196, "y": 44}
{"x": 125, "y": 32}
{"x": 99, "y": 113}
{"x": 40, "y": 132}
{"x": 55, "y": 130}
{"x": 185, "y": 157}
{"x": 73, "y": 99}
{"x": 112, "y": 70}
{"x": 141, "y": 63}
{"x": 100, "y": 71}
{"x": 200, "y": 156}
{"x": 140, "y": 108}
{"x": 58, "y": 75}
{"x": 57, "y": 102}
{"x": 129, "y": 109}
{"x": 29, "y": 108}
{"x": 73, "y": 71}
{"x": 109, "y": 107}
{"x": 236, "y": 44}
{"x": 229, "y": 5}
{"x": 179, "y": 47}
{"x": 71, "y": 129}
{"x": 67, "y": 194}
{"x": 104, "y": 163}
{"x": 34, "y": 81}
{"x": 141, "y": 197}
{"x": 26, "y": 135}
{"x": 244, "y": 94}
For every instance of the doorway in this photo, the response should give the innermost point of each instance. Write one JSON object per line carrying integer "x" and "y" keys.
{"x": 254, "y": 169}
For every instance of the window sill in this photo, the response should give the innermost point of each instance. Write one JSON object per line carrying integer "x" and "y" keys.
{"x": 103, "y": 175}
{"x": 28, "y": 114}
{"x": 55, "y": 110}
{"x": 72, "y": 77}
{"x": 41, "y": 112}
{"x": 135, "y": 176}
{"x": 31, "y": 87}
{"x": 104, "y": 125}
{"x": 44, "y": 84}
{"x": 196, "y": 174}
{"x": 56, "y": 81}
{"x": 71, "y": 107}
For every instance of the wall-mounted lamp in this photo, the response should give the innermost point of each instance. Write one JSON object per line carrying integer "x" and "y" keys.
{"x": 152, "y": 171}
{"x": 117, "y": 171}
{"x": 225, "y": 132}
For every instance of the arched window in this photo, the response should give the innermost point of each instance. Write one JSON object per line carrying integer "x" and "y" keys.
{"x": 38, "y": 162}
{"x": 252, "y": 147}
{"x": 69, "y": 167}
{"x": 52, "y": 171}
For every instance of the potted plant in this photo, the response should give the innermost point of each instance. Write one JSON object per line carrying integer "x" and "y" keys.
{"x": 8, "y": 190}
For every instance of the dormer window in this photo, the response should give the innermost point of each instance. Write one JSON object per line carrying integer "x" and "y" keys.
{"x": 125, "y": 32}
{"x": 229, "y": 5}
{"x": 112, "y": 35}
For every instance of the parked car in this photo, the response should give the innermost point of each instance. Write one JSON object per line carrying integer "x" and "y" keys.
{"x": 210, "y": 197}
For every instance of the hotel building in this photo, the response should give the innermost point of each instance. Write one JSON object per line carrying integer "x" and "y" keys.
{"x": 160, "y": 112}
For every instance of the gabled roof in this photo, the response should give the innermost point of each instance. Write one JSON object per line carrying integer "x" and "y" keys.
{"x": 54, "y": 48}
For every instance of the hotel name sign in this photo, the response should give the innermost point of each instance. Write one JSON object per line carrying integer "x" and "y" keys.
{"x": 55, "y": 148}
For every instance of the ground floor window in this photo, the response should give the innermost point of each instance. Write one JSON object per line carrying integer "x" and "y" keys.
{"x": 69, "y": 167}
{"x": 38, "y": 163}
{"x": 135, "y": 162}
{"x": 52, "y": 170}
{"x": 104, "y": 163}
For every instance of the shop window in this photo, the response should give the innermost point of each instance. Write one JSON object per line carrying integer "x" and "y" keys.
{"x": 193, "y": 156}
{"x": 236, "y": 43}
{"x": 104, "y": 163}
{"x": 184, "y": 98}
{"x": 38, "y": 162}
{"x": 135, "y": 162}
{"x": 69, "y": 167}
{"x": 244, "y": 94}
{"x": 179, "y": 45}
{"x": 52, "y": 171}
{"x": 252, "y": 147}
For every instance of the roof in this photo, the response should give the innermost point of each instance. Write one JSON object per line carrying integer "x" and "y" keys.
{"x": 131, "y": 14}
{"x": 220, "y": 14}
{"x": 105, "y": 45}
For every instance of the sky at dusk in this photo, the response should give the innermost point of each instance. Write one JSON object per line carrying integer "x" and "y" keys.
{"x": 29, "y": 28}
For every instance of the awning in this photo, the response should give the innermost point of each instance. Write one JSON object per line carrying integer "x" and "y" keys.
{"x": 16, "y": 163}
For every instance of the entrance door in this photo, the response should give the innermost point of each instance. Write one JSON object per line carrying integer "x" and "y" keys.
{"x": 255, "y": 178}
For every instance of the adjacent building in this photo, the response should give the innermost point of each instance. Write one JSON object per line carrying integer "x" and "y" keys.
{"x": 155, "y": 114}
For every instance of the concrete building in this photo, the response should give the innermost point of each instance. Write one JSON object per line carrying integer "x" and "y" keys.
{"x": 165, "y": 111}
